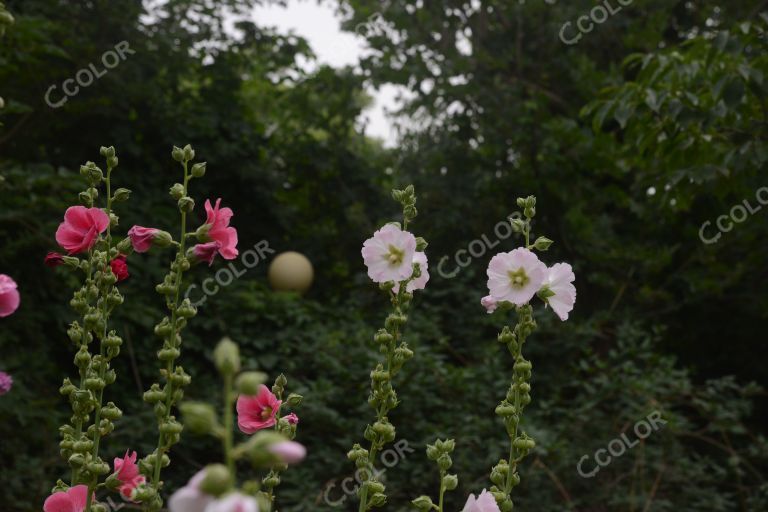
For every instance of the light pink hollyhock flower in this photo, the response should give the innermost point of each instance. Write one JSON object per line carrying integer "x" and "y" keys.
{"x": 81, "y": 228}
{"x": 142, "y": 238}
{"x": 290, "y": 452}
{"x": 234, "y": 502}
{"x": 489, "y": 303}
{"x": 206, "y": 252}
{"x": 258, "y": 412}
{"x": 291, "y": 418}
{"x": 389, "y": 254}
{"x": 559, "y": 281}
{"x": 483, "y": 503}
{"x": 6, "y": 383}
{"x": 53, "y": 259}
{"x": 9, "y": 296}
{"x": 128, "y": 473}
{"x": 190, "y": 498}
{"x": 71, "y": 500}
{"x": 220, "y": 230}
{"x": 420, "y": 282}
{"x": 515, "y": 276}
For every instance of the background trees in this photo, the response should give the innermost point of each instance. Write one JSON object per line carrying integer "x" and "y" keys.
{"x": 652, "y": 124}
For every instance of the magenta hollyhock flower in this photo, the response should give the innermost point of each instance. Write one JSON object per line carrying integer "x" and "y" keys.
{"x": 6, "y": 383}
{"x": 142, "y": 238}
{"x": 559, "y": 280}
{"x": 489, "y": 303}
{"x": 483, "y": 503}
{"x": 119, "y": 266}
{"x": 53, "y": 259}
{"x": 9, "y": 296}
{"x": 515, "y": 276}
{"x": 389, "y": 254}
{"x": 258, "y": 412}
{"x": 290, "y": 452}
{"x": 234, "y": 502}
{"x": 71, "y": 500}
{"x": 206, "y": 252}
{"x": 291, "y": 418}
{"x": 128, "y": 473}
{"x": 190, "y": 498}
{"x": 219, "y": 229}
{"x": 81, "y": 228}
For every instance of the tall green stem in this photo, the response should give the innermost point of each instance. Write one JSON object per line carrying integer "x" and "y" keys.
{"x": 228, "y": 425}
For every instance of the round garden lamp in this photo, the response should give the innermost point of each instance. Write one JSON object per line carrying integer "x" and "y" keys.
{"x": 290, "y": 272}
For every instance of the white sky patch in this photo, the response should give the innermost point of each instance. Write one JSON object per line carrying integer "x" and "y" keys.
{"x": 320, "y": 25}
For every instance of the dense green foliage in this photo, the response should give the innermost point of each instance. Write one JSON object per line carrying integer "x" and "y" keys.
{"x": 652, "y": 124}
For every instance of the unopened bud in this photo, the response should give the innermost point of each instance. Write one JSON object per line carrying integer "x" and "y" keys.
{"x": 226, "y": 356}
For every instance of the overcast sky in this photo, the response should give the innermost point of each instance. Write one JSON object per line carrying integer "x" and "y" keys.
{"x": 320, "y": 26}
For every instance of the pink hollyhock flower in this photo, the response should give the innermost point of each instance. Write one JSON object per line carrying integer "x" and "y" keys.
{"x": 489, "y": 303}
{"x": 128, "y": 473}
{"x": 206, "y": 252}
{"x": 420, "y": 282}
{"x": 119, "y": 267}
{"x": 53, "y": 259}
{"x": 515, "y": 276}
{"x": 142, "y": 238}
{"x": 190, "y": 498}
{"x": 257, "y": 412}
{"x": 389, "y": 254}
{"x": 6, "y": 383}
{"x": 81, "y": 228}
{"x": 559, "y": 281}
{"x": 291, "y": 418}
{"x": 290, "y": 452}
{"x": 483, "y": 503}
{"x": 234, "y": 502}
{"x": 9, "y": 296}
{"x": 220, "y": 231}
{"x": 71, "y": 500}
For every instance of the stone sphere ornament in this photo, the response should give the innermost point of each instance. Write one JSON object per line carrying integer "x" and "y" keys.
{"x": 290, "y": 272}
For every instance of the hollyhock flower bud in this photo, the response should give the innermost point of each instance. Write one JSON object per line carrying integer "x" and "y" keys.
{"x": 292, "y": 419}
{"x": 198, "y": 170}
{"x": 9, "y": 296}
{"x": 6, "y": 383}
{"x": 389, "y": 254}
{"x": 143, "y": 238}
{"x": 248, "y": 382}
{"x": 177, "y": 191}
{"x": 53, "y": 259}
{"x": 119, "y": 267}
{"x": 489, "y": 303}
{"x": 226, "y": 356}
{"x": 199, "y": 417}
{"x": 289, "y": 452}
{"x": 423, "y": 503}
{"x": 558, "y": 290}
{"x": 515, "y": 276}
{"x": 217, "y": 480}
{"x": 81, "y": 228}
{"x": 72, "y": 500}
{"x": 483, "y": 503}
{"x": 127, "y": 472}
{"x": 258, "y": 412}
{"x": 121, "y": 194}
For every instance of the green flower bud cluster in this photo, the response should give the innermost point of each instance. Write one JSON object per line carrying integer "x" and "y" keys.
{"x": 396, "y": 352}
{"x": 504, "y": 474}
{"x": 440, "y": 452}
{"x": 95, "y": 302}
{"x": 166, "y": 395}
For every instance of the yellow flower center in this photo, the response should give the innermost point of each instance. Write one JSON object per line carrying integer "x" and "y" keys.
{"x": 395, "y": 256}
{"x": 518, "y": 278}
